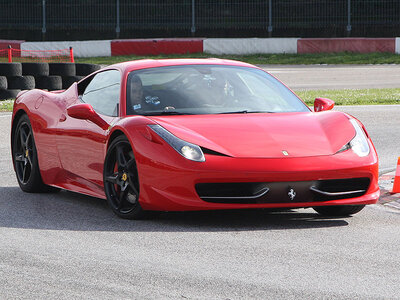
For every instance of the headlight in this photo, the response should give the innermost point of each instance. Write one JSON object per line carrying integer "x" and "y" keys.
{"x": 186, "y": 149}
{"x": 359, "y": 144}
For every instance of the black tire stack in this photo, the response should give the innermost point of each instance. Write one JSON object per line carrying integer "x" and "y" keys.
{"x": 12, "y": 72}
{"x": 15, "y": 77}
{"x": 37, "y": 70}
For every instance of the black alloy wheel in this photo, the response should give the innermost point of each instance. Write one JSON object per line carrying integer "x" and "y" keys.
{"x": 121, "y": 182}
{"x": 25, "y": 159}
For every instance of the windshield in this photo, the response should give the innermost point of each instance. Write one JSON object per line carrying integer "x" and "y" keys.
{"x": 207, "y": 89}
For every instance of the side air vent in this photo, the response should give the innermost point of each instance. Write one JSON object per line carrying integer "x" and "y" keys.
{"x": 242, "y": 192}
{"x": 212, "y": 152}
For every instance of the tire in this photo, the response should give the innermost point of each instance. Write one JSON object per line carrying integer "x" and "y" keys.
{"x": 25, "y": 160}
{"x": 3, "y": 83}
{"x": 50, "y": 83}
{"x": 338, "y": 211}
{"x": 35, "y": 69}
{"x": 8, "y": 94}
{"x": 121, "y": 182}
{"x": 21, "y": 82}
{"x": 10, "y": 69}
{"x": 62, "y": 69}
{"x": 86, "y": 69}
{"x": 67, "y": 81}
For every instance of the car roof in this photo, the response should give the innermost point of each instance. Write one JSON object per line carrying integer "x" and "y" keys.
{"x": 129, "y": 66}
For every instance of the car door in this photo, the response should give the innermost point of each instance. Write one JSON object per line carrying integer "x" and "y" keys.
{"x": 81, "y": 143}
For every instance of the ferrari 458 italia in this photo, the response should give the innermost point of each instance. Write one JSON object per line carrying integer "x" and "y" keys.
{"x": 192, "y": 134}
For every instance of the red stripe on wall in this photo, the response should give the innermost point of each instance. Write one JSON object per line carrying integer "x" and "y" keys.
{"x": 156, "y": 46}
{"x": 15, "y": 44}
{"x": 359, "y": 45}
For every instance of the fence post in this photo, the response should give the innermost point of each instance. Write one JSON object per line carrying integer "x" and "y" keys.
{"x": 44, "y": 20}
{"x": 118, "y": 28}
{"x": 270, "y": 18}
{"x": 71, "y": 54}
{"x": 9, "y": 54}
{"x": 193, "y": 29}
{"x": 348, "y": 28}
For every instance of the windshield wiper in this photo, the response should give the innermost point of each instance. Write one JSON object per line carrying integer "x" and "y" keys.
{"x": 245, "y": 112}
{"x": 165, "y": 113}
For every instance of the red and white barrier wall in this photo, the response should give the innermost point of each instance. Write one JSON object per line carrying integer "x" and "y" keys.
{"x": 240, "y": 46}
{"x": 81, "y": 48}
{"x": 358, "y": 45}
{"x": 156, "y": 46}
{"x": 13, "y": 43}
{"x": 250, "y": 45}
{"x": 397, "y": 46}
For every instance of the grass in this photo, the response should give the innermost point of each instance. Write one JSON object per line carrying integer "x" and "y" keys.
{"x": 341, "y": 97}
{"x": 353, "y": 97}
{"x": 258, "y": 59}
{"x": 6, "y": 105}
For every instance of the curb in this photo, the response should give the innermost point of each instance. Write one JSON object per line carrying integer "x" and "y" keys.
{"x": 386, "y": 198}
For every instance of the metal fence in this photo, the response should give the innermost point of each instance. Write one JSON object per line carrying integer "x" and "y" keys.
{"x": 66, "y": 19}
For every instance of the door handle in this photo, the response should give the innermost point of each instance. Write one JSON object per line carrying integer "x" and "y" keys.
{"x": 63, "y": 118}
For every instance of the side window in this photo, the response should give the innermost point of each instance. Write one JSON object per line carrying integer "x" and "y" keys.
{"x": 103, "y": 92}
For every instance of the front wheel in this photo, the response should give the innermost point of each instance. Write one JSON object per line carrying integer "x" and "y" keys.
{"x": 338, "y": 211}
{"x": 121, "y": 181}
{"x": 25, "y": 159}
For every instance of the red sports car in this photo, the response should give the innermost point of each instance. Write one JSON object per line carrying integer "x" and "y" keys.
{"x": 192, "y": 134}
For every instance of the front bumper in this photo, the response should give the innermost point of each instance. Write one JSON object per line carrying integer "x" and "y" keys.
{"x": 169, "y": 182}
{"x": 282, "y": 192}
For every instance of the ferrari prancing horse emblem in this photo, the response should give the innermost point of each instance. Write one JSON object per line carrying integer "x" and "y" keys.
{"x": 292, "y": 194}
{"x": 124, "y": 177}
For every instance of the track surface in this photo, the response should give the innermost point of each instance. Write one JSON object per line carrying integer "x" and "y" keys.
{"x": 69, "y": 246}
{"x": 320, "y": 77}
{"x": 383, "y": 125}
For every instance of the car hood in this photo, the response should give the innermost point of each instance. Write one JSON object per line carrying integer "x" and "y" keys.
{"x": 264, "y": 135}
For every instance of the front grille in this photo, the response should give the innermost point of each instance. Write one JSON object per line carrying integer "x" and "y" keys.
{"x": 237, "y": 192}
{"x": 282, "y": 192}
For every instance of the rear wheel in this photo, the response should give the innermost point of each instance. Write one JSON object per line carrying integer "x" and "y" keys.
{"x": 24, "y": 155}
{"x": 121, "y": 182}
{"x": 338, "y": 211}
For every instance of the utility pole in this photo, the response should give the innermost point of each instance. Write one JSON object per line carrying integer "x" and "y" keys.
{"x": 270, "y": 18}
{"x": 348, "y": 28}
{"x": 193, "y": 29}
{"x": 118, "y": 28}
{"x": 44, "y": 20}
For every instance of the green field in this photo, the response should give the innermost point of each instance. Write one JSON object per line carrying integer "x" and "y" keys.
{"x": 353, "y": 97}
{"x": 258, "y": 59}
{"x": 6, "y": 105}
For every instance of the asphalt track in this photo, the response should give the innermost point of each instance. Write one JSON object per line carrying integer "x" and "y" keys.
{"x": 383, "y": 125}
{"x": 320, "y": 77}
{"x": 69, "y": 246}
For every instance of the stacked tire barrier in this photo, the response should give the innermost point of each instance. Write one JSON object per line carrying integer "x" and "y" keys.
{"x": 15, "y": 77}
{"x": 9, "y": 72}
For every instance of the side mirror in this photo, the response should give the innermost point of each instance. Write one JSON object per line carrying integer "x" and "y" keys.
{"x": 84, "y": 111}
{"x": 323, "y": 104}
